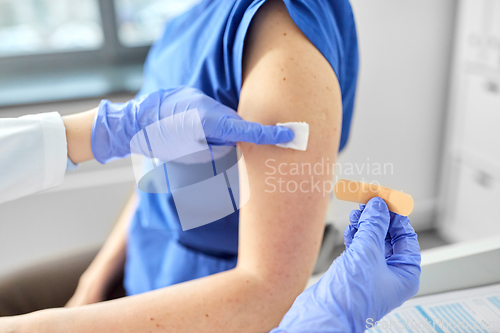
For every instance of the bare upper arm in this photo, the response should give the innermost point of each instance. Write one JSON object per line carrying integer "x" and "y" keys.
{"x": 286, "y": 79}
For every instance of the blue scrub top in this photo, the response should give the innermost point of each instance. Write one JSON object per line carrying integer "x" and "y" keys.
{"x": 203, "y": 48}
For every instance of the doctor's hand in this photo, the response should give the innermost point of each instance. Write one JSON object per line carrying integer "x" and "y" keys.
{"x": 116, "y": 124}
{"x": 378, "y": 271}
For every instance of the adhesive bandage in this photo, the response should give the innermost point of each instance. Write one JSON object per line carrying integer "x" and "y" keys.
{"x": 301, "y": 131}
{"x": 398, "y": 202}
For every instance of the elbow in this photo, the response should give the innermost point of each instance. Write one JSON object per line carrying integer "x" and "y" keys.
{"x": 281, "y": 291}
{"x": 276, "y": 291}
{"x": 282, "y": 288}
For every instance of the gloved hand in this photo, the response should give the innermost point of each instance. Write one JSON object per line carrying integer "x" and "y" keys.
{"x": 116, "y": 124}
{"x": 378, "y": 271}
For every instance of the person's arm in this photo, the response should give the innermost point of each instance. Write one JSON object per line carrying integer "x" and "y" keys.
{"x": 78, "y": 135}
{"x": 105, "y": 133}
{"x": 108, "y": 263}
{"x": 286, "y": 79}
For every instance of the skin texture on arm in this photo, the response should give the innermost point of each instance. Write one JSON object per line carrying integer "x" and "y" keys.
{"x": 285, "y": 79}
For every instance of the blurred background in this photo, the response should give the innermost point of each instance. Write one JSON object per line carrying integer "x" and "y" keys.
{"x": 428, "y": 104}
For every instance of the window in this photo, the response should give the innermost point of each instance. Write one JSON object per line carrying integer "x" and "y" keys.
{"x": 140, "y": 22}
{"x": 43, "y": 26}
{"x": 64, "y": 49}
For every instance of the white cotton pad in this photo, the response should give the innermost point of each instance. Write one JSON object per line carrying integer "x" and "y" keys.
{"x": 301, "y": 131}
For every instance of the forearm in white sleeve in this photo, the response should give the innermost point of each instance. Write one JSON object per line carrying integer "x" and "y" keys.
{"x": 33, "y": 154}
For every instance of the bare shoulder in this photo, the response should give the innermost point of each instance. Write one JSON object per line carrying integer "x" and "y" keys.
{"x": 281, "y": 63}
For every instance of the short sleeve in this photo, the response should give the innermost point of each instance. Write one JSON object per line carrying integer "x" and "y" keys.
{"x": 331, "y": 28}
{"x": 239, "y": 40}
{"x": 316, "y": 20}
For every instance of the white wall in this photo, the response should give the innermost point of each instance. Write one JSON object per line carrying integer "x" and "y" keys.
{"x": 405, "y": 50}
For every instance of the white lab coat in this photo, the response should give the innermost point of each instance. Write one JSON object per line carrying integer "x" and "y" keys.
{"x": 33, "y": 154}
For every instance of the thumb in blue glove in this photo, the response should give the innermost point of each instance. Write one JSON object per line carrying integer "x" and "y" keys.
{"x": 378, "y": 271}
{"x": 116, "y": 124}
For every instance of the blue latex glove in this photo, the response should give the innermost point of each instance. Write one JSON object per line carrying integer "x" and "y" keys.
{"x": 378, "y": 271}
{"x": 116, "y": 123}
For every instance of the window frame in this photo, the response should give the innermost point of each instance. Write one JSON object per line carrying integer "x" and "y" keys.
{"x": 111, "y": 56}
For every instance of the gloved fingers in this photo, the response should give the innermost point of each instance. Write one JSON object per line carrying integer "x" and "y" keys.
{"x": 352, "y": 227}
{"x": 373, "y": 225}
{"x": 350, "y": 231}
{"x": 354, "y": 217}
{"x": 349, "y": 235}
{"x": 404, "y": 241}
{"x": 388, "y": 246}
{"x": 405, "y": 260}
{"x": 239, "y": 130}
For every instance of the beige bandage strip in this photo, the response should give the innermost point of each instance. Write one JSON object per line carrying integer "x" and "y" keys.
{"x": 398, "y": 202}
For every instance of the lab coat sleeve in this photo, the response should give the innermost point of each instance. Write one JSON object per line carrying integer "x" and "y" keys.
{"x": 33, "y": 154}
